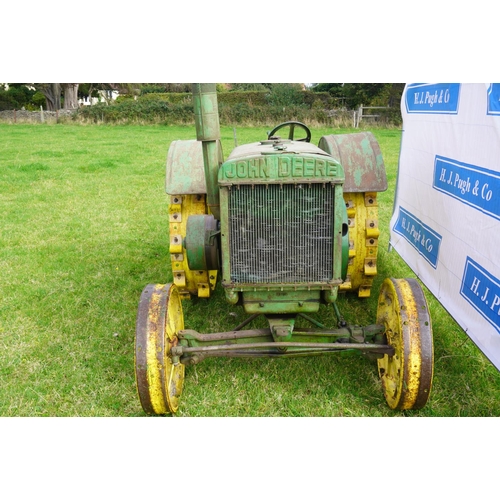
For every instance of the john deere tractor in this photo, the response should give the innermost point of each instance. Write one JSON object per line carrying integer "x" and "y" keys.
{"x": 283, "y": 226}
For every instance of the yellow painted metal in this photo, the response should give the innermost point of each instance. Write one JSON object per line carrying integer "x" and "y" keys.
{"x": 362, "y": 215}
{"x": 407, "y": 375}
{"x": 199, "y": 283}
{"x": 159, "y": 380}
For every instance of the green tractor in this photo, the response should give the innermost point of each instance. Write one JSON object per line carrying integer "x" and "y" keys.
{"x": 283, "y": 226}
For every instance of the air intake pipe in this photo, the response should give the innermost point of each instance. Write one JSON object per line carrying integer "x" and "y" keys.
{"x": 206, "y": 114}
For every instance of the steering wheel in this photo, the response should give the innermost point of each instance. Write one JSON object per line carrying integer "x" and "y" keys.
{"x": 292, "y": 126}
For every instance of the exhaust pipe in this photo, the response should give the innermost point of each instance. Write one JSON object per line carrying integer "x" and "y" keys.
{"x": 206, "y": 114}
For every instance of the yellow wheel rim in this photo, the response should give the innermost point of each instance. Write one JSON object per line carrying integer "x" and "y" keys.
{"x": 407, "y": 375}
{"x": 159, "y": 319}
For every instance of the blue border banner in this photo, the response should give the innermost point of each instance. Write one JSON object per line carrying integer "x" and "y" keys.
{"x": 425, "y": 240}
{"x": 494, "y": 99}
{"x": 482, "y": 290}
{"x": 475, "y": 186}
{"x": 434, "y": 98}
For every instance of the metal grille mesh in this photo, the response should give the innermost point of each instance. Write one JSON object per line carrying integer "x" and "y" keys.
{"x": 281, "y": 233}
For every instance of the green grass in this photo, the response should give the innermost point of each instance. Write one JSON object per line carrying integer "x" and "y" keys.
{"x": 84, "y": 227}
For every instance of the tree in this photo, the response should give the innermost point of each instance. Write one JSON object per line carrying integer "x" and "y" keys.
{"x": 52, "y": 93}
{"x": 244, "y": 87}
{"x": 286, "y": 94}
{"x": 395, "y": 92}
{"x": 70, "y": 95}
{"x": 15, "y": 96}
{"x": 356, "y": 94}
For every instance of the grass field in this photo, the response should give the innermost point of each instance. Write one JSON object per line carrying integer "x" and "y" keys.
{"x": 84, "y": 227}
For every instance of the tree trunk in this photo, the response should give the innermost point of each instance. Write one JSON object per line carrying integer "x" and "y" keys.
{"x": 70, "y": 95}
{"x": 52, "y": 93}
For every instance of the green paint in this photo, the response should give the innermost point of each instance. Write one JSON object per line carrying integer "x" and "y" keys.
{"x": 281, "y": 301}
{"x": 195, "y": 242}
{"x": 281, "y": 168}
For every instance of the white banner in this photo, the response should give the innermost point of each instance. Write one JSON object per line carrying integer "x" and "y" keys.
{"x": 446, "y": 220}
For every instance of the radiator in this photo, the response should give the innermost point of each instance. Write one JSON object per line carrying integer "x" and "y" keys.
{"x": 281, "y": 233}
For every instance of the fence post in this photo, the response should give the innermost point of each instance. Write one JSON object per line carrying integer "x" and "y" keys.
{"x": 42, "y": 119}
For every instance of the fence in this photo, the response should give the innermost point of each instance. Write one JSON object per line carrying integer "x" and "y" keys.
{"x": 360, "y": 114}
{"x": 42, "y": 116}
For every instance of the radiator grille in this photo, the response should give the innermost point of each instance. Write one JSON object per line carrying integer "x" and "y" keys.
{"x": 281, "y": 233}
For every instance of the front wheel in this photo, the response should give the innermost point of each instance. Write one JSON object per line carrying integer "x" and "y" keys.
{"x": 407, "y": 375}
{"x": 159, "y": 378}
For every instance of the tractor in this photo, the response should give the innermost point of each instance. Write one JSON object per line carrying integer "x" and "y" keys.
{"x": 283, "y": 227}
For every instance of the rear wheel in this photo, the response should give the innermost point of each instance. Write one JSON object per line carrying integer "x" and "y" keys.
{"x": 362, "y": 213}
{"x": 159, "y": 379}
{"x": 188, "y": 281}
{"x": 407, "y": 375}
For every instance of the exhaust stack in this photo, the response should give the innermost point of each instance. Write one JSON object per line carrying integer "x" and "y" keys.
{"x": 206, "y": 115}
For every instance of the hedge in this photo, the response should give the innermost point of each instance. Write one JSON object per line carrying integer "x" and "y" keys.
{"x": 250, "y": 107}
{"x": 256, "y": 98}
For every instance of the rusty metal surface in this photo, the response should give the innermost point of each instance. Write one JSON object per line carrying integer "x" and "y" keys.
{"x": 358, "y": 334}
{"x": 159, "y": 380}
{"x": 194, "y": 346}
{"x": 426, "y": 345}
{"x": 407, "y": 375}
{"x": 272, "y": 147}
{"x": 185, "y": 173}
{"x": 141, "y": 362}
{"x": 206, "y": 115}
{"x": 361, "y": 158}
{"x": 188, "y": 281}
{"x": 362, "y": 214}
{"x": 279, "y": 346}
